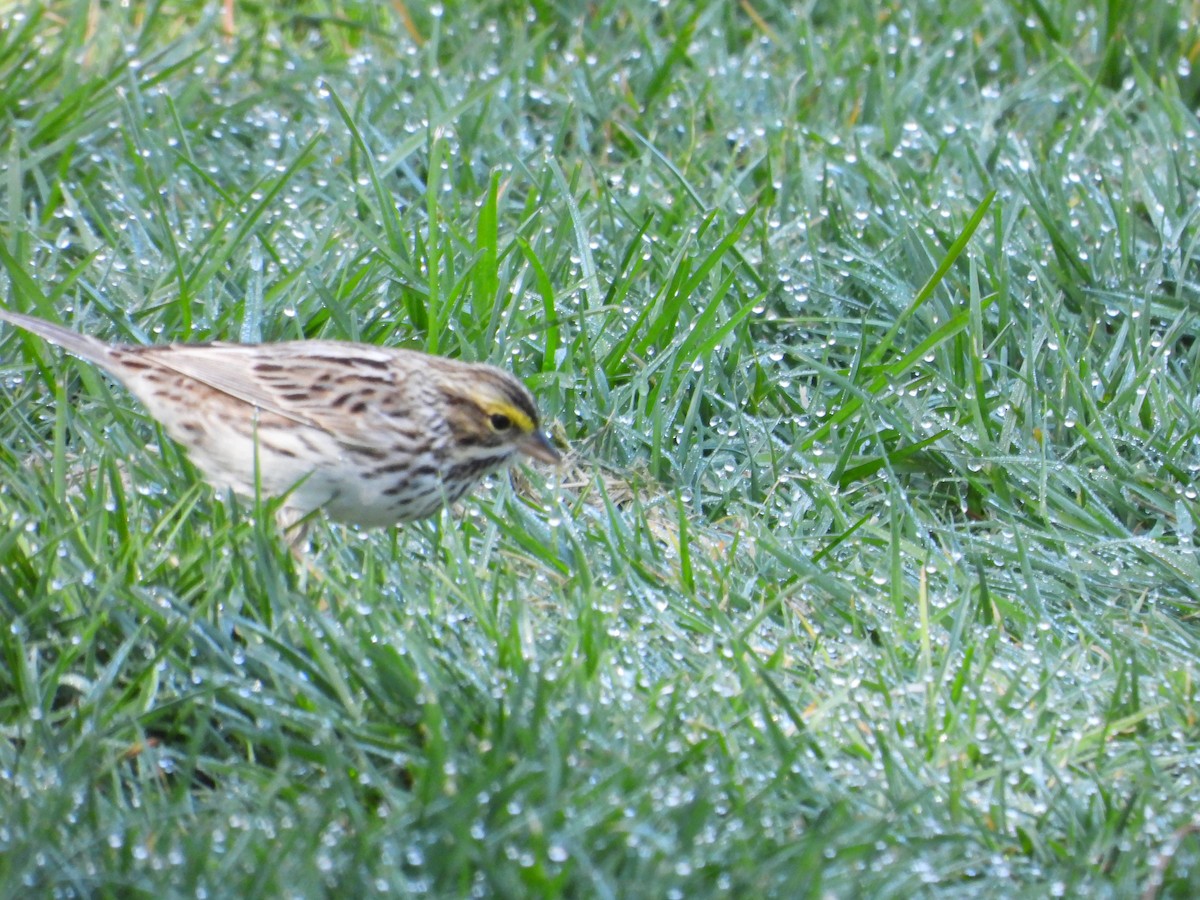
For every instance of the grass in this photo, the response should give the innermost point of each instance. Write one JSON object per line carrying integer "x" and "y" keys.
{"x": 873, "y": 330}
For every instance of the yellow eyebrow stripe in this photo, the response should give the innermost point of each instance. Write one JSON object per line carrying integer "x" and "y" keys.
{"x": 518, "y": 418}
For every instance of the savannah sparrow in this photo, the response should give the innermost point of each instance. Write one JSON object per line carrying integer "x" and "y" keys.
{"x": 373, "y": 436}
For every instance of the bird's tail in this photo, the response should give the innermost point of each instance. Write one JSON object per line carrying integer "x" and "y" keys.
{"x": 72, "y": 341}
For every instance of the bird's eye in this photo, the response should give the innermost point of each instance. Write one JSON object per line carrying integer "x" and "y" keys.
{"x": 501, "y": 422}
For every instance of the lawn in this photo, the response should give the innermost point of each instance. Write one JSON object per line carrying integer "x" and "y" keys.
{"x": 873, "y": 570}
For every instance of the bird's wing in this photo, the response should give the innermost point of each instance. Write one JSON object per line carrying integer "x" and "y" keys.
{"x": 274, "y": 377}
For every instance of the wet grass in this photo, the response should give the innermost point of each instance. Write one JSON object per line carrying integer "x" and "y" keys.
{"x": 874, "y": 572}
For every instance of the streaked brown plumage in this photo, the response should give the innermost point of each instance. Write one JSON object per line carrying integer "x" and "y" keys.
{"x": 371, "y": 435}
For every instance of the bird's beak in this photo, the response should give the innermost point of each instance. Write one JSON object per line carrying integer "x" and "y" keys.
{"x": 537, "y": 445}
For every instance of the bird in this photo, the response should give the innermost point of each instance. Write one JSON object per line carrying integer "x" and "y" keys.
{"x": 370, "y": 436}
